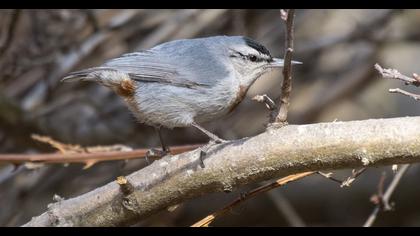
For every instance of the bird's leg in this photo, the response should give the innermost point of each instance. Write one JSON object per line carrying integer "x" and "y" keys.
{"x": 155, "y": 153}
{"x": 214, "y": 139}
{"x": 162, "y": 142}
{"x": 212, "y": 136}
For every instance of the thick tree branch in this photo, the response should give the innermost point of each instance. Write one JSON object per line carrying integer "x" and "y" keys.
{"x": 272, "y": 154}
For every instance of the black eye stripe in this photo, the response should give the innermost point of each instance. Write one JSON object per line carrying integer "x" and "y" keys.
{"x": 255, "y": 58}
{"x": 258, "y": 58}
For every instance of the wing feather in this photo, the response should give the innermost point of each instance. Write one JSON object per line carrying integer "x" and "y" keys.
{"x": 147, "y": 66}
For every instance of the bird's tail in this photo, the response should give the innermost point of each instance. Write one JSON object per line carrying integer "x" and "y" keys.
{"x": 120, "y": 82}
{"x": 106, "y": 76}
{"x": 91, "y": 74}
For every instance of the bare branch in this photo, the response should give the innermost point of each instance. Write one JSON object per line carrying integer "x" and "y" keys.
{"x": 347, "y": 182}
{"x": 175, "y": 179}
{"x": 62, "y": 147}
{"x": 403, "y": 92}
{"x": 205, "y": 222}
{"x": 352, "y": 178}
{"x": 343, "y": 183}
{"x": 384, "y": 200}
{"x": 279, "y": 115}
{"x": 266, "y": 100}
{"x": 330, "y": 177}
{"x": 395, "y": 74}
{"x": 87, "y": 158}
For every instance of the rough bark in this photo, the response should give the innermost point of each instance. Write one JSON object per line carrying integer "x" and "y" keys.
{"x": 274, "y": 153}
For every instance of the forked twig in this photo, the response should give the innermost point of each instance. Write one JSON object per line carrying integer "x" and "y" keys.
{"x": 384, "y": 199}
{"x": 395, "y": 74}
{"x": 344, "y": 183}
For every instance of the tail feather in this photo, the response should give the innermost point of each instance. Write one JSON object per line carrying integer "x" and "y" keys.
{"x": 82, "y": 75}
{"x": 91, "y": 74}
{"x": 120, "y": 82}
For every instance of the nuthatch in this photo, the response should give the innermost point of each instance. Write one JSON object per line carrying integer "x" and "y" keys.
{"x": 184, "y": 82}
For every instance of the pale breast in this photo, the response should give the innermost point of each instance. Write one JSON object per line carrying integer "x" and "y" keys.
{"x": 170, "y": 106}
{"x": 220, "y": 100}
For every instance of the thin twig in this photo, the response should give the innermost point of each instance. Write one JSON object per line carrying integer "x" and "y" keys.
{"x": 269, "y": 103}
{"x": 395, "y": 74}
{"x": 343, "y": 183}
{"x": 280, "y": 114}
{"x": 384, "y": 201}
{"x": 329, "y": 176}
{"x": 352, "y": 178}
{"x": 403, "y": 92}
{"x": 246, "y": 196}
{"x": 86, "y": 158}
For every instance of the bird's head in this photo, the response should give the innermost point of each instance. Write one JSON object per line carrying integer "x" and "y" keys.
{"x": 249, "y": 59}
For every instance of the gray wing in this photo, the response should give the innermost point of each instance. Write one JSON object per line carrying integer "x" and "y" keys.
{"x": 150, "y": 66}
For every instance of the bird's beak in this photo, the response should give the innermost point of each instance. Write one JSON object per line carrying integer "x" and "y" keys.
{"x": 277, "y": 62}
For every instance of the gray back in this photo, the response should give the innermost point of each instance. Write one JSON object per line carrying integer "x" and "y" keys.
{"x": 186, "y": 62}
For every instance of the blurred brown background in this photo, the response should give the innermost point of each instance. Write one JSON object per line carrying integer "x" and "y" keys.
{"x": 337, "y": 81}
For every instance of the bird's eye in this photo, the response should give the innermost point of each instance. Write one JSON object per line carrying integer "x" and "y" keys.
{"x": 253, "y": 58}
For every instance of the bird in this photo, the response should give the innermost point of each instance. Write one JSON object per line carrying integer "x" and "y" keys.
{"x": 184, "y": 82}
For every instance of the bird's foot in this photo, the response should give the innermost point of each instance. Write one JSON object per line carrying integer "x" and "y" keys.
{"x": 206, "y": 148}
{"x": 155, "y": 154}
{"x": 202, "y": 155}
{"x": 217, "y": 140}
